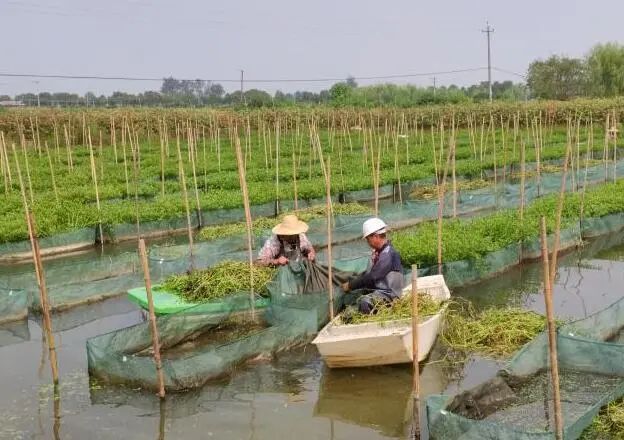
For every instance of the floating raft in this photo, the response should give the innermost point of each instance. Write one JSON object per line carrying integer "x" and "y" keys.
{"x": 381, "y": 343}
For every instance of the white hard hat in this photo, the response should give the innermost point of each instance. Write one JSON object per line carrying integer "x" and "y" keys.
{"x": 372, "y": 226}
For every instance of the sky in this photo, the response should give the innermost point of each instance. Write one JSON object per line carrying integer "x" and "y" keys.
{"x": 288, "y": 39}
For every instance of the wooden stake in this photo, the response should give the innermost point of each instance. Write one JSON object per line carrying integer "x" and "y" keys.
{"x": 57, "y": 142}
{"x": 43, "y": 295}
{"x": 191, "y": 146}
{"x": 553, "y": 265}
{"x": 70, "y": 161}
{"x": 522, "y": 176}
{"x": 441, "y": 196}
{"x": 415, "y": 354}
{"x": 26, "y": 163}
{"x": 328, "y": 208}
{"x": 152, "y": 318}
{"x": 114, "y": 138}
{"x": 552, "y": 334}
{"x": 248, "y": 221}
{"x": 56, "y": 196}
{"x": 39, "y": 273}
{"x": 294, "y": 169}
{"x": 95, "y": 185}
{"x": 453, "y": 147}
{"x": 182, "y": 178}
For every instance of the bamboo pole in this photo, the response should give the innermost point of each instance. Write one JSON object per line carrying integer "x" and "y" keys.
{"x": 192, "y": 145}
{"x": 70, "y": 161}
{"x": 101, "y": 157}
{"x": 493, "y": 125}
{"x": 590, "y": 145}
{"x": 133, "y": 140}
{"x": 615, "y": 135}
{"x": 38, "y": 137}
{"x": 553, "y": 264}
{"x": 605, "y": 150}
{"x": 441, "y": 193}
{"x": 95, "y": 186}
{"x": 453, "y": 147}
{"x": 277, "y": 157}
{"x": 8, "y": 180}
{"x": 522, "y": 176}
{"x": 43, "y": 295}
{"x": 294, "y": 169}
{"x": 114, "y": 138}
{"x": 182, "y": 178}
{"x": 162, "y": 160}
{"x": 152, "y": 319}
{"x": 415, "y": 354}
{"x": 47, "y": 150}
{"x": 39, "y": 273}
{"x": 125, "y": 160}
{"x": 27, "y": 165}
{"x": 219, "y": 149}
{"x": 552, "y": 335}
{"x": 243, "y": 184}
{"x": 57, "y": 142}
{"x": 328, "y": 208}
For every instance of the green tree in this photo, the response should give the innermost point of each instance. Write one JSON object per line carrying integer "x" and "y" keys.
{"x": 340, "y": 93}
{"x": 605, "y": 64}
{"x": 557, "y": 78}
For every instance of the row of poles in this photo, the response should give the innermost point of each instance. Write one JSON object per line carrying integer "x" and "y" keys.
{"x": 549, "y": 266}
{"x": 549, "y": 274}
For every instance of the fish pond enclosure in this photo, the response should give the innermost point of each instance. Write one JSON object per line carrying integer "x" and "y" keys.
{"x": 463, "y": 190}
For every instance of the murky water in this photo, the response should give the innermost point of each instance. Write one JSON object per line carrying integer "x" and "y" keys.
{"x": 292, "y": 396}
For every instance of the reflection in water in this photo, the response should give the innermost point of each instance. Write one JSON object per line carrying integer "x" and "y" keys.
{"x": 376, "y": 397}
{"x": 162, "y": 419}
{"x": 56, "y": 427}
{"x": 291, "y": 396}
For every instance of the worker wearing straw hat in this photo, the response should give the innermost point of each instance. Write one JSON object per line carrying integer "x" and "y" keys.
{"x": 382, "y": 282}
{"x": 288, "y": 243}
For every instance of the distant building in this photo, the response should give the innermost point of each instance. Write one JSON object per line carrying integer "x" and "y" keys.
{"x": 11, "y": 104}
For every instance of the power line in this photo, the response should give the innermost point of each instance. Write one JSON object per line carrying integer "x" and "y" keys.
{"x": 510, "y": 72}
{"x": 277, "y": 80}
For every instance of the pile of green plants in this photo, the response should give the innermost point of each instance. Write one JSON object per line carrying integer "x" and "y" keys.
{"x": 265, "y": 223}
{"x": 496, "y": 331}
{"x": 396, "y": 310}
{"x": 429, "y": 192}
{"x": 608, "y": 424}
{"x": 472, "y": 239}
{"x": 226, "y": 278}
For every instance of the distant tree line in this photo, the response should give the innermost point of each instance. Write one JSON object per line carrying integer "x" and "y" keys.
{"x": 599, "y": 74}
{"x": 198, "y": 93}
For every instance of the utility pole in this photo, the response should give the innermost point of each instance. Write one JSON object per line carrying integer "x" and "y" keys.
{"x": 434, "y": 86}
{"x": 488, "y": 30}
{"x": 242, "y": 80}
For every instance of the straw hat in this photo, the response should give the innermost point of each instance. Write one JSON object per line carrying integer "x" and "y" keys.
{"x": 290, "y": 225}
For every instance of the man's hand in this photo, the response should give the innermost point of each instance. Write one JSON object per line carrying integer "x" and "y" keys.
{"x": 281, "y": 261}
{"x": 345, "y": 286}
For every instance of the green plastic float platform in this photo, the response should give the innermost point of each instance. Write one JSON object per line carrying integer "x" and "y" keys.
{"x": 166, "y": 302}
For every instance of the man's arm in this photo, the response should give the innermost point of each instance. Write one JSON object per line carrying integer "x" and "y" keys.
{"x": 377, "y": 272}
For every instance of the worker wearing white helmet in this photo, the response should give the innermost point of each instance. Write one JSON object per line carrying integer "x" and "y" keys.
{"x": 382, "y": 282}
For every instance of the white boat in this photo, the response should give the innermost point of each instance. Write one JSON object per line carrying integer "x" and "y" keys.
{"x": 381, "y": 343}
